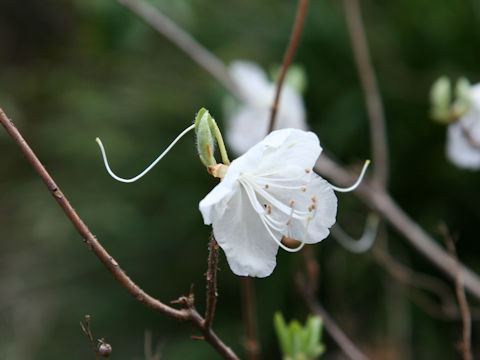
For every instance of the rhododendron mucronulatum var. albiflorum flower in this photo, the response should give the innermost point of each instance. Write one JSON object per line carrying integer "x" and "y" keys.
{"x": 269, "y": 193}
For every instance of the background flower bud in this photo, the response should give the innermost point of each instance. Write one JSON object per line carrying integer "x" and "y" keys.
{"x": 441, "y": 98}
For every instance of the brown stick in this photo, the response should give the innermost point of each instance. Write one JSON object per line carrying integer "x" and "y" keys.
{"x": 211, "y": 282}
{"x": 289, "y": 55}
{"x": 162, "y": 24}
{"x": 381, "y": 202}
{"x": 252, "y": 343}
{"x": 378, "y": 135}
{"x": 188, "y": 313}
{"x": 465, "y": 347}
{"x": 331, "y": 327}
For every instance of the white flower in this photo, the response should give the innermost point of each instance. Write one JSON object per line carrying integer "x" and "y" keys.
{"x": 270, "y": 192}
{"x": 248, "y": 123}
{"x": 463, "y": 138}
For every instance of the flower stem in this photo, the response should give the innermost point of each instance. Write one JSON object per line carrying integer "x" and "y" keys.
{"x": 221, "y": 144}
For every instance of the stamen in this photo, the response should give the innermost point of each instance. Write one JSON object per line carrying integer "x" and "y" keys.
{"x": 150, "y": 166}
{"x": 359, "y": 180}
{"x": 303, "y": 188}
{"x": 307, "y": 171}
{"x": 269, "y": 209}
{"x": 266, "y": 186}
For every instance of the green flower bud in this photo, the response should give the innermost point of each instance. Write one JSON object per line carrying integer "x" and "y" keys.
{"x": 463, "y": 98}
{"x": 441, "y": 98}
{"x": 205, "y": 137}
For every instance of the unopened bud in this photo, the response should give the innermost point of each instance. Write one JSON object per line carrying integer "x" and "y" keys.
{"x": 463, "y": 97}
{"x": 205, "y": 137}
{"x": 105, "y": 349}
{"x": 441, "y": 98}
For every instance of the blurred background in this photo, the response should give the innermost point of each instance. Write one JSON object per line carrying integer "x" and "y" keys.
{"x": 74, "y": 70}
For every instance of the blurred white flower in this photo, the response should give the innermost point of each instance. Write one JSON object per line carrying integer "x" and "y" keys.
{"x": 248, "y": 123}
{"x": 463, "y": 138}
{"x": 269, "y": 193}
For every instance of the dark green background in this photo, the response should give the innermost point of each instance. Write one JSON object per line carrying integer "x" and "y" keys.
{"x": 74, "y": 70}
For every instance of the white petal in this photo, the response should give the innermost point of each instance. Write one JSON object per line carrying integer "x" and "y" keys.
{"x": 285, "y": 148}
{"x": 459, "y": 150}
{"x": 214, "y": 204}
{"x": 239, "y": 231}
{"x": 246, "y": 127}
{"x": 253, "y": 116}
{"x": 252, "y": 83}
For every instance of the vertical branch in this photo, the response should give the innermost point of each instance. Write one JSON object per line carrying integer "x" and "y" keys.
{"x": 211, "y": 282}
{"x": 370, "y": 89}
{"x": 252, "y": 343}
{"x": 288, "y": 57}
{"x": 465, "y": 347}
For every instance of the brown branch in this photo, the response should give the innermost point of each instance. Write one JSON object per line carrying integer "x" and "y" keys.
{"x": 342, "y": 340}
{"x": 378, "y": 135}
{"x": 447, "y": 308}
{"x": 182, "y": 39}
{"x": 288, "y": 57}
{"x": 465, "y": 347}
{"x": 211, "y": 282}
{"x": 381, "y": 202}
{"x": 252, "y": 343}
{"x": 188, "y": 313}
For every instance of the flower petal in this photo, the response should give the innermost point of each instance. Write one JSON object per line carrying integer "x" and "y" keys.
{"x": 459, "y": 150}
{"x": 246, "y": 127}
{"x": 239, "y": 231}
{"x": 281, "y": 149}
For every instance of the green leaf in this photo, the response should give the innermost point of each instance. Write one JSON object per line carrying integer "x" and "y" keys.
{"x": 283, "y": 334}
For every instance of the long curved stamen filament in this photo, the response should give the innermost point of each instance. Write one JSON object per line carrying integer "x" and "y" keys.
{"x": 359, "y": 180}
{"x": 365, "y": 242}
{"x": 150, "y": 166}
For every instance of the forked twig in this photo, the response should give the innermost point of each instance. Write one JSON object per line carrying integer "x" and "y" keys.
{"x": 87, "y": 330}
{"x": 465, "y": 347}
{"x": 187, "y": 313}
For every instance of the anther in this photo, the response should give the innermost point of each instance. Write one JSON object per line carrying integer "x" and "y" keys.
{"x": 266, "y": 186}
{"x": 292, "y": 203}
{"x": 269, "y": 209}
{"x": 307, "y": 171}
{"x": 303, "y": 188}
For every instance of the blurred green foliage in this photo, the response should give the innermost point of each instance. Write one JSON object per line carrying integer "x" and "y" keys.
{"x": 74, "y": 70}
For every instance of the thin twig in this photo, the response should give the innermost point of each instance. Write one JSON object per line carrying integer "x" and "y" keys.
{"x": 447, "y": 309}
{"x": 373, "y": 99}
{"x": 465, "y": 347}
{"x": 188, "y": 313}
{"x": 382, "y": 203}
{"x": 347, "y": 346}
{"x": 288, "y": 57}
{"x": 252, "y": 343}
{"x": 87, "y": 330}
{"x": 182, "y": 39}
{"x": 211, "y": 281}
